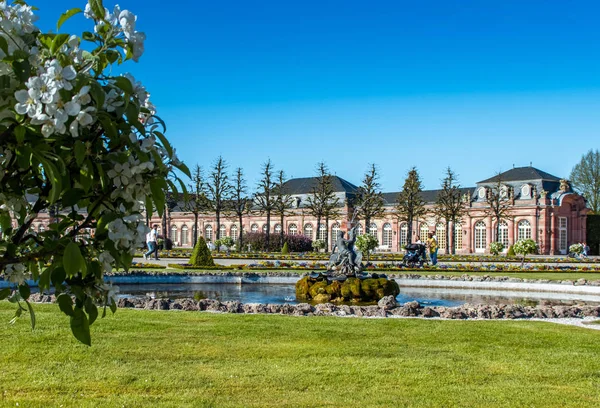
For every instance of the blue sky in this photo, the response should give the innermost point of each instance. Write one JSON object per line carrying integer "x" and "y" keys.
{"x": 476, "y": 85}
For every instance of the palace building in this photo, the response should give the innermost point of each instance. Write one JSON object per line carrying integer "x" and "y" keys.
{"x": 541, "y": 207}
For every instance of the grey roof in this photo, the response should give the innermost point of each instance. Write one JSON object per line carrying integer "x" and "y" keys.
{"x": 522, "y": 174}
{"x": 429, "y": 196}
{"x": 305, "y": 185}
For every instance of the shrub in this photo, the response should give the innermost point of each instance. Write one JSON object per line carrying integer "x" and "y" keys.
{"x": 201, "y": 255}
{"x": 285, "y": 250}
{"x": 496, "y": 248}
{"x": 511, "y": 251}
{"x": 524, "y": 247}
{"x": 366, "y": 243}
{"x": 576, "y": 248}
{"x": 318, "y": 244}
{"x": 296, "y": 243}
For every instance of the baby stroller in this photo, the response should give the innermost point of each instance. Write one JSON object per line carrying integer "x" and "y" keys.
{"x": 415, "y": 255}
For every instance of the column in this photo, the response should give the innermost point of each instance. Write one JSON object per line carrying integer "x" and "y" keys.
{"x": 553, "y": 234}
{"x": 489, "y": 233}
{"x": 468, "y": 237}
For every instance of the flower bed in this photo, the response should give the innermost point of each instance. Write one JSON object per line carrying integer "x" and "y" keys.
{"x": 146, "y": 265}
{"x": 395, "y": 267}
{"x": 186, "y": 253}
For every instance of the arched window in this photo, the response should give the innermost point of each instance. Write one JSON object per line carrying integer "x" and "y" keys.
{"x": 403, "y": 235}
{"x": 173, "y": 234}
{"x": 184, "y": 235}
{"x": 277, "y": 229}
{"x": 373, "y": 229}
{"x": 335, "y": 229}
{"x": 41, "y": 228}
{"x": 222, "y": 231}
{"x": 524, "y": 230}
{"x": 233, "y": 232}
{"x": 292, "y": 229}
{"x": 440, "y": 233}
{"x": 387, "y": 235}
{"x": 264, "y": 228}
{"x": 254, "y": 228}
{"x": 503, "y": 233}
{"x": 208, "y": 232}
{"x": 359, "y": 230}
{"x": 194, "y": 236}
{"x": 322, "y": 232}
{"x": 308, "y": 231}
{"x": 424, "y": 232}
{"x": 458, "y": 236}
{"x": 480, "y": 236}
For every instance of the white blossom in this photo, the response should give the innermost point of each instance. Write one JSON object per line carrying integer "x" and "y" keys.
{"x": 27, "y": 103}
{"x": 83, "y": 119}
{"x": 16, "y": 273}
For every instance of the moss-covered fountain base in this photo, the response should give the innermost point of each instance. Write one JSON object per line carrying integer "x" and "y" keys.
{"x": 322, "y": 289}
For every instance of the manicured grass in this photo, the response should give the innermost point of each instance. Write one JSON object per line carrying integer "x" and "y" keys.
{"x": 558, "y": 276}
{"x": 176, "y": 359}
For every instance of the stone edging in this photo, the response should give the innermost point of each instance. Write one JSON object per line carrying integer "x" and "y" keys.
{"x": 387, "y": 307}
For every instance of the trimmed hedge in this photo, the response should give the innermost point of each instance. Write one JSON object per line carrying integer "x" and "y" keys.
{"x": 201, "y": 256}
{"x": 296, "y": 243}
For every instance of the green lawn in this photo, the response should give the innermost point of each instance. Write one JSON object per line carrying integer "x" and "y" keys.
{"x": 150, "y": 358}
{"x": 590, "y": 276}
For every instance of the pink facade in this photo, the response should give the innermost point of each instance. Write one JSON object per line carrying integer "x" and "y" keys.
{"x": 554, "y": 219}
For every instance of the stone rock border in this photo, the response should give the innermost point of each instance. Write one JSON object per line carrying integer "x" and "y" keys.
{"x": 387, "y": 307}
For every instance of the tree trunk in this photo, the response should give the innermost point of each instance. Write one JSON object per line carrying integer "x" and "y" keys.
{"x": 218, "y": 231}
{"x": 326, "y": 234}
{"x": 448, "y": 237}
{"x": 318, "y": 225}
{"x": 409, "y": 223}
{"x": 281, "y": 232}
{"x": 195, "y": 228}
{"x": 240, "y": 237}
{"x": 268, "y": 236}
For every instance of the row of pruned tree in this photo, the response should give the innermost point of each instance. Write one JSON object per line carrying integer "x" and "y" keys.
{"x": 227, "y": 196}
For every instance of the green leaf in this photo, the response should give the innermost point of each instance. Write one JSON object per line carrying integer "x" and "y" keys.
{"x": 58, "y": 41}
{"x": 124, "y": 84}
{"x": 65, "y": 303}
{"x": 72, "y": 196}
{"x": 113, "y": 306}
{"x": 91, "y": 310}
{"x": 72, "y": 259}
{"x": 4, "y": 293}
{"x": 88, "y": 36}
{"x": 80, "y": 325}
{"x": 158, "y": 195}
{"x": 97, "y": 93}
{"x": 97, "y": 8}
{"x": 17, "y": 315}
{"x": 109, "y": 126}
{"x": 4, "y": 45}
{"x": 24, "y": 291}
{"x": 20, "y": 133}
{"x": 80, "y": 151}
{"x": 31, "y": 315}
{"x": 165, "y": 143}
{"x": 65, "y": 16}
{"x": 58, "y": 276}
{"x": 44, "y": 282}
{"x": 22, "y": 70}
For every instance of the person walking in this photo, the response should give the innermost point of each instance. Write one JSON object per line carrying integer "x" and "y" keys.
{"x": 433, "y": 248}
{"x": 152, "y": 242}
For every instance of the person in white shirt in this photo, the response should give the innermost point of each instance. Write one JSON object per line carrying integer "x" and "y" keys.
{"x": 152, "y": 242}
